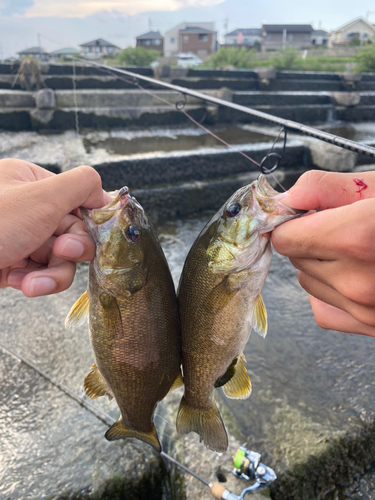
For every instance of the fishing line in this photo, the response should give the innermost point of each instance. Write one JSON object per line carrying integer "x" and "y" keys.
{"x": 180, "y": 105}
{"x": 81, "y": 400}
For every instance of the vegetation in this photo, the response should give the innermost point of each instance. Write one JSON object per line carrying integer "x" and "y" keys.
{"x": 365, "y": 59}
{"x": 138, "y": 56}
{"x": 285, "y": 59}
{"x": 232, "y": 56}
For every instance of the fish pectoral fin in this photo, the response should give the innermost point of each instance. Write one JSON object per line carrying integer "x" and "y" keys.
{"x": 231, "y": 370}
{"x": 119, "y": 431}
{"x": 259, "y": 319}
{"x": 95, "y": 386}
{"x": 239, "y": 386}
{"x": 79, "y": 312}
{"x": 205, "y": 422}
{"x": 177, "y": 383}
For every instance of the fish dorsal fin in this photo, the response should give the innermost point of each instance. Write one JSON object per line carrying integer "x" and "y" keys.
{"x": 259, "y": 319}
{"x": 177, "y": 383}
{"x": 79, "y": 312}
{"x": 119, "y": 431}
{"x": 239, "y": 386}
{"x": 95, "y": 385}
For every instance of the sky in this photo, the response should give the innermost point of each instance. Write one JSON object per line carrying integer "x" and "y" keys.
{"x": 68, "y": 23}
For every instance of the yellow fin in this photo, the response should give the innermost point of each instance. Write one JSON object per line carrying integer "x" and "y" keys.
{"x": 177, "y": 383}
{"x": 95, "y": 385}
{"x": 259, "y": 319}
{"x": 207, "y": 423}
{"x": 79, "y": 312}
{"x": 119, "y": 431}
{"x": 239, "y": 386}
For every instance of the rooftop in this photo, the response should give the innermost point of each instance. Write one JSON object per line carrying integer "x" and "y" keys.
{"x": 64, "y": 51}
{"x": 99, "y": 42}
{"x": 150, "y": 35}
{"x": 245, "y": 32}
{"x": 290, "y": 28}
{"x": 195, "y": 29}
{"x": 33, "y": 50}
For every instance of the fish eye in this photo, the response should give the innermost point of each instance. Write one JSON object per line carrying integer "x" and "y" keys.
{"x": 233, "y": 209}
{"x": 133, "y": 233}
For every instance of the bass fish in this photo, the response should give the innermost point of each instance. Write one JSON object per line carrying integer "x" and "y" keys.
{"x": 220, "y": 302}
{"x": 133, "y": 317}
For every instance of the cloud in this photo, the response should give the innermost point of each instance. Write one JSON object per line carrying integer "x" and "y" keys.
{"x": 11, "y": 7}
{"x": 84, "y": 8}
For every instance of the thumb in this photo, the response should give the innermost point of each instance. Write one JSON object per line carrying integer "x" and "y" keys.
{"x": 319, "y": 190}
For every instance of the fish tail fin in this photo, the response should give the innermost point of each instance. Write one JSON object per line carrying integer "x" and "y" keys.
{"x": 119, "y": 431}
{"x": 207, "y": 423}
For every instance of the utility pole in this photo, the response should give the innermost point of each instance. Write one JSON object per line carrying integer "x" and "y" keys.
{"x": 40, "y": 48}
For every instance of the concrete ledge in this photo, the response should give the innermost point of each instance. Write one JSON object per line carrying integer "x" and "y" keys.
{"x": 175, "y": 168}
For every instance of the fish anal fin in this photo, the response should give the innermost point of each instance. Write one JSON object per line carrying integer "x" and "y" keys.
{"x": 177, "y": 383}
{"x": 119, "y": 431}
{"x": 259, "y": 319}
{"x": 239, "y": 386}
{"x": 207, "y": 423}
{"x": 95, "y": 386}
{"x": 79, "y": 312}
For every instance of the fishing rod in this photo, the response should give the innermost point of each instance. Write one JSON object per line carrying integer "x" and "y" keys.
{"x": 247, "y": 463}
{"x": 289, "y": 125}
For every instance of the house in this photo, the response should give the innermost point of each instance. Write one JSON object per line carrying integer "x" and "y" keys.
{"x": 151, "y": 40}
{"x": 99, "y": 48}
{"x": 42, "y": 54}
{"x": 358, "y": 28}
{"x": 67, "y": 51}
{"x": 279, "y": 36}
{"x": 246, "y": 36}
{"x": 199, "y": 38}
{"x": 319, "y": 37}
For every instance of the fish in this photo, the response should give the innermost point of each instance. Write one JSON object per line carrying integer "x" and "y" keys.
{"x": 220, "y": 302}
{"x": 132, "y": 311}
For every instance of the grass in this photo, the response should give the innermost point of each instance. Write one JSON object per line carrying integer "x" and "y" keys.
{"x": 282, "y": 60}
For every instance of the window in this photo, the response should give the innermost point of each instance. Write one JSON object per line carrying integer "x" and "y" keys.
{"x": 156, "y": 42}
{"x": 147, "y": 42}
{"x": 173, "y": 40}
{"x": 98, "y": 50}
{"x": 290, "y": 38}
{"x": 87, "y": 50}
{"x": 186, "y": 39}
{"x": 202, "y": 37}
{"x": 110, "y": 50}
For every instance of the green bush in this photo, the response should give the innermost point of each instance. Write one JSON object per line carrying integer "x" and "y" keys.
{"x": 365, "y": 59}
{"x": 138, "y": 56}
{"x": 285, "y": 59}
{"x": 232, "y": 56}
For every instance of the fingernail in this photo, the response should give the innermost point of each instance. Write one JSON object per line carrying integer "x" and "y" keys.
{"x": 16, "y": 276}
{"x": 281, "y": 196}
{"x": 41, "y": 286}
{"x": 72, "y": 248}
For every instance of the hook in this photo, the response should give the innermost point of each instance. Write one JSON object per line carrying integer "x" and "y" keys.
{"x": 271, "y": 153}
{"x": 181, "y": 103}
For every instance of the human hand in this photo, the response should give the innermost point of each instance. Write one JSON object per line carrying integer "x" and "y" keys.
{"x": 41, "y": 232}
{"x": 333, "y": 249}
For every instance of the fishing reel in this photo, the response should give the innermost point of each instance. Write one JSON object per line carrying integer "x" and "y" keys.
{"x": 247, "y": 465}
